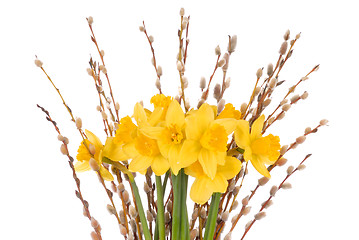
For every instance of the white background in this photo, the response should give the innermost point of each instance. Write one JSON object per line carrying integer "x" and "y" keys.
{"x": 37, "y": 190}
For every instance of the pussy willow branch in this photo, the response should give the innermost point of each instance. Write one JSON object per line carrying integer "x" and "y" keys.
{"x": 93, "y": 38}
{"x": 153, "y": 53}
{"x": 205, "y": 94}
{"x": 270, "y": 197}
{"x": 77, "y": 180}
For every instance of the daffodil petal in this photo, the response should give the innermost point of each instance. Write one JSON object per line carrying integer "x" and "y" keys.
{"x": 130, "y": 150}
{"x": 140, "y": 115}
{"x": 140, "y": 163}
{"x": 228, "y": 123}
{"x": 106, "y": 175}
{"x": 113, "y": 151}
{"x": 175, "y": 114}
{"x": 260, "y": 167}
{"x": 155, "y": 117}
{"x": 174, "y": 159}
{"x": 247, "y": 155}
{"x": 208, "y": 162}
{"x": 194, "y": 170}
{"x": 152, "y": 132}
{"x": 218, "y": 184}
{"x": 257, "y": 127}
{"x": 220, "y": 157}
{"x": 231, "y": 167}
{"x": 189, "y": 152}
{"x": 82, "y": 166}
{"x": 200, "y": 193}
{"x": 241, "y": 134}
{"x": 160, "y": 165}
{"x": 198, "y": 122}
{"x": 94, "y": 140}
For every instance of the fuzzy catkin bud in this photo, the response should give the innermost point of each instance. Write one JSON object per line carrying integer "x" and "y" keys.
{"x": 286, "y": 35}
{"x": 273, "y": 190}
{"x": 228, "y": 236}
{"x": 225, "y": 216}
{"x": 300, "y": 139}
{"x": 290, "y": 170}
{"x": 234, "y": 218}
{"x": 217, "y": 50}
{"x": 94, "y": 165}
{"x": 267, "y": 204}
{"x": 78, "y": 123}
{"x": 159, "y": 70}
{"x": 233, "y": 45}
{"x": 151, "y": 39}
{"x": 141, "y": 28}
{"x": 149, "y": 216}
{"x": 282, "y": 161}
{"x": 179, "y": 66}
{"x": 283, "y": 149}
{"x": 263, "y": 181}
{"x": 236, "y": 190}
{"x": 323, "y": 122}
{"x": 259, "y": 73}
{"x": 126, "y": 197}
{"x": 158, "y": 84}
{"x": 221, "y": 62}
{"x": 220, "y": 105}
{"x": 286, "y": 107}
{"x": 243, "y": 107}
{"x": 38, "y": 63}
{"x": 270, "y": 69}
{"x": 286, "y": 186}
{"x": 234, "y": 205}
{"x": 304, "y": 95}
{"x": 245, "y": 201}
{"x": 123, "y": 230}
{"x": 133, "y": 212}
{"x": 246, "y": 210}
{"x": 90, "y": 20}
{"x": 60, "y": 138}
{"x": 182, "y": 12}
{"x": 111, "y": 209}
{"x": 281, "y": 116}
{"x": 63, "y": 149}
{"x": 283, "y": 48}
{"x": 259, "y": 216}
{"x": 94, "y": 223}
{"x": 94, "y": 236}
{"x": 301, "y": 167}
{"x": 102, "y": 52}
{"x": 202, "y": 213}
{"x": 294, "y": 98}
{"x": 217, "y": 91}
{"x": 202, "y": 83}
{"x": 103, "y": 69}
{"x": 104, "y": 115}
{"x": 193, "y": 234}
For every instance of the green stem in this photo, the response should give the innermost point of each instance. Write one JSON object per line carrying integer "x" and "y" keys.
{"x": 212, "y": 217}
{"x": 160, "y": 209}
{"x": 184, "y": 214}
{"x": 146, "y": 231}
{"x": 165, "y": 182}
{"x": 176, "y": 211}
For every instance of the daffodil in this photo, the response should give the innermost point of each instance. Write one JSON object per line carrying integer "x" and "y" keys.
{"x": 170, "y": 135}
{"x": 229, "y": 112}
{"x": 143, "y": 150}
{"x": 203, "y": 186}
{"x": 93, "y": 148}
{"x": 161, "y": 101}
{"x": 257, "y": 149}
{"x": 206, "y": 139}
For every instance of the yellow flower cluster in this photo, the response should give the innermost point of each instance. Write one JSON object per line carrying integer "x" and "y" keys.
{"x": 167, "y": 138}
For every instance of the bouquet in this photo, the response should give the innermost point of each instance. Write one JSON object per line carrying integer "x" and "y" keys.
{"x": 182, "y": 153}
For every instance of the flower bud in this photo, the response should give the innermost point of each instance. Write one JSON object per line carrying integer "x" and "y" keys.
{"x": 263, "y": 181}
{"x": 283, "y": 48}
{"x": 111, "y": 209}
{"x": 259, "y": 216}
{"x": 323, "y": 122}
{"x": 290, "y": 170}
{"x": 217, "y": 50}
{"x": 300, "y": 139}
{"x": 78, "y": 123}
{"x": 286, "y": 186}
{"x": 273, "y": 190}
{"x": 90, "y": 20}
{"x": 94, "y": 236}
{"x": 38, "y": 63}
{"x": 63, "y": 149}
{"x": 259, "y": 73}
{"x": 94, "y": 165}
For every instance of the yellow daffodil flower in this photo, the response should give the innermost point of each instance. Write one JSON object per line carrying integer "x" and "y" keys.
{"x": 203, "y": 187}
{"x": 257, "y": 149}
{"x": 206, "y": 139}
{"x": 229, "y": 112}
{"x": 170, "y": 136}
{"x": 143, "y": 150}
{"x": 161, "y": 101}
{"x": 92, "y": 144}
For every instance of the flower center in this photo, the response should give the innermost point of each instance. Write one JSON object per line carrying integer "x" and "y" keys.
{"x": 175, "y": 134}
{"x": 146, "y": 146}
{"x": 215, "y": 138}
